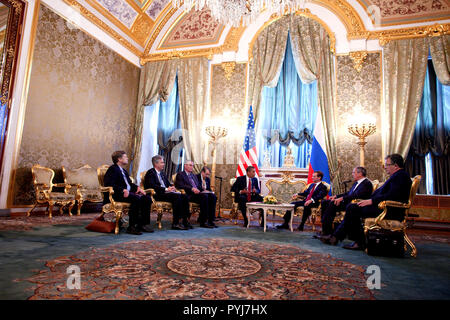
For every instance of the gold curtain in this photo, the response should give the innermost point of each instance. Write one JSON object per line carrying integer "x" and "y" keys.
{"x": 156, "y": 82}
{"x": 267, "y": 60}
{"x": 404, "y": 64}
{"x": 193, "y": 89}
{"x": 314, "y": 60}
{"x": 440, "y": 54}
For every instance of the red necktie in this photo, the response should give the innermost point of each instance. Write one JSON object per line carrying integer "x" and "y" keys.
{"x": 249, "y": 195}
{"x": 311, "y": 193}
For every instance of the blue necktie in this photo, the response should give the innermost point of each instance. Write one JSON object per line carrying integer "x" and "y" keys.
{"x": 194, "y": 185}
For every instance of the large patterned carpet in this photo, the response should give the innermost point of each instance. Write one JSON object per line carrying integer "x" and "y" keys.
{"x": 201, "y": 269}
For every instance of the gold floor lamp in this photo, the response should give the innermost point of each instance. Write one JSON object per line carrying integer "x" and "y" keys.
{"x": 362, "y": 127}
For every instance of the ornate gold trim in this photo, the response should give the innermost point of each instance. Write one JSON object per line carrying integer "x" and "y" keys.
{"x": 358, "y": 58}
{"x": 228, "y": 68}
{"x": 159, "y": 25}
{"x": 102, "y": 25}
{"x": 119, "y": 24}
{"x": 382, "y": 25}
{"x": 178, "y": 54}
{"x": 22, "y": 105}
{"x": 347, "y": 14}
{"x": 407, "y": 33}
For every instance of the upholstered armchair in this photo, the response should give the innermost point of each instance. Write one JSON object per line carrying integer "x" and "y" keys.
{"x": 283, "y": 190}
{"x": 159, "y": 206}
{"x": 85, "y": 185}
{"x": 118, "y": 209}
{"x": 234, "y": 212}
{"x": 193, "y": 206}
{"x": 394, "y": 225}
{"x": 315, "y": 212}
{"x": 43, "y": 186}
{"x": 341, "y": 214}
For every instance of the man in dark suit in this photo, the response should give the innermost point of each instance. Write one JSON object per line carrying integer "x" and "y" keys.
{"x": 187, "y": 181}
{"x": 205, "y": 186}
{"x": 314, "y": 193}
{"x": 396, "y": 188}
{"x": 126, "y": 191}
{"x": 156, "y": 179}
{"x": 246, "y": 189}
{"x": 361, "y": 189}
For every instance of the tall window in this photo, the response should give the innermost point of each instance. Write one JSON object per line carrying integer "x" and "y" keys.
{"x": 160, "y": 132}
{"x": 429, "y": 154}
{"x": 286, "y": 116}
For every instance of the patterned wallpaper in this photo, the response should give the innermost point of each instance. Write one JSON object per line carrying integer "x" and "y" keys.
{"x": 228, "y": 109}
{"x": 81, "y": 103}
{"x": 363, "y": 88}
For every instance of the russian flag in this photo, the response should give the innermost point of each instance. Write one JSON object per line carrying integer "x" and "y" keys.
{"x": 319, "y": 159}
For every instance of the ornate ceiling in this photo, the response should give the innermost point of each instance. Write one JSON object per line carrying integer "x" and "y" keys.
{"x": 152, "y": 29}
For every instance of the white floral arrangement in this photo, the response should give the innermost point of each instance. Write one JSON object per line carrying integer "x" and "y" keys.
{"x": 270, "y": 200}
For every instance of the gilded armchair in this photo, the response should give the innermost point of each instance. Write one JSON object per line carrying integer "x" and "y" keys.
{"x": 159, "y": 206}
{"x": 118, "y": 209}
{"x": 315, "y": 212}
{"x": 394, "y": 225}
{"x": 43, "y": 186}
{"x": 85, "y": 185}
{"x": 193, "y": 206}
{"x": 341, "y": 214}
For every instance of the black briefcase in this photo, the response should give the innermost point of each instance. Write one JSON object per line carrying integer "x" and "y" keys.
{"x": 385, "y": 243}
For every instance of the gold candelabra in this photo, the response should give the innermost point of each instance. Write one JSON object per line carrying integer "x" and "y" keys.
{"x": 362, "y": 130}
{"x": 215, "y": 132}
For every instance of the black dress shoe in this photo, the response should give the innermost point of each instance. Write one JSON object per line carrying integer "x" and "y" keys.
{"x": 204, "y": 225}
{"x": 188, "y": 225}
{"x": 178, "y": 227}
{"x": 325, "y": 239}
{"x": 213, "y": 225}
{"x": 353, "y": 246}
{"x": 283, "y": 226}
{"x": 147, "y": 228}
{"x": 334, "y": 241}
{"x": 133, "y": 230}
{"x": 300, "y": 227}
{"x": 317, "y": 235}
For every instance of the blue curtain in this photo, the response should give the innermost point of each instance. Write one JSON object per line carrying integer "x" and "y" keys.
{"x": 169, "y": 128}
{"x": 429, "y": 152}
{"x": 287, "y": 115}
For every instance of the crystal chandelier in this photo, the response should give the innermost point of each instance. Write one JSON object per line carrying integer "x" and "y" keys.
{"x": 240, "y": 12}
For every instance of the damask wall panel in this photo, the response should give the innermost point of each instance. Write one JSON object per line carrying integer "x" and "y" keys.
{"x": 228, "y": 86}
{"x": 81, "y": 104}
{"x": 359, "y": 90}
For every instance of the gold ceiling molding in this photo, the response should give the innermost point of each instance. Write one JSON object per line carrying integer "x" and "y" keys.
{"x": 119, "y": 24}
{"x": 141, "y": 28}
{"x": 157, "y": 31}
{"x": 358, "y": 58}
{"x": 102, "y": 25}
{"x": 178, "y": 54}
{"x": 408, "y": 33}
{"x": 348, "y": 16}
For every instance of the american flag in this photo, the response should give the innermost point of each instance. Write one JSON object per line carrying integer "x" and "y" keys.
{"x": 249, "y": 155}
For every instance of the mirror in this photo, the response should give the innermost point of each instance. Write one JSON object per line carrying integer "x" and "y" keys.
{"x": 11, "y": 20}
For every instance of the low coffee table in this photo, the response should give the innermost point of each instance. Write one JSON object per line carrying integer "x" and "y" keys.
{"x": 270, "y": 207}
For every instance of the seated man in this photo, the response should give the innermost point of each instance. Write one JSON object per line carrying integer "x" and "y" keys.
{"x": 165, "y": 191}
{"x": 205, "y": 186}
{"x": 126, "y": 191}
{"x": 315, "y": 192}
{"x": 361, "y": 189}
{"x": 187, "y": 181}
{"x": 246, "y": 189}
{"x": 396, "y": 188}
